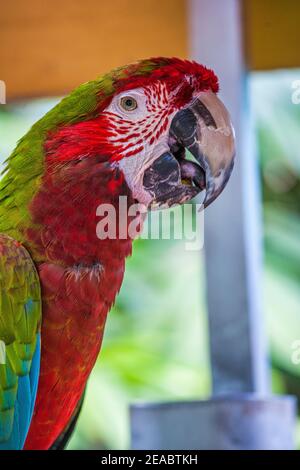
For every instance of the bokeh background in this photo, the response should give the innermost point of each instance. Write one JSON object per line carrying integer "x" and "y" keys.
{"x": 156, "y": 341}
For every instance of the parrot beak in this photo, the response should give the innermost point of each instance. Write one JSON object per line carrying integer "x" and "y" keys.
{"x": 204, "y": 130}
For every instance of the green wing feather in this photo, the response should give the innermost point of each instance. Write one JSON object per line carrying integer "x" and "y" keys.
{"x": 20, "y": 318}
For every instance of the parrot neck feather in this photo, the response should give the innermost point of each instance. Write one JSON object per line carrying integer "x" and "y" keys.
{"x": 64, "y": 214}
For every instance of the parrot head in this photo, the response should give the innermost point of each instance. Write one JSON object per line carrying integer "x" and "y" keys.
{"x": 160, "y": 126}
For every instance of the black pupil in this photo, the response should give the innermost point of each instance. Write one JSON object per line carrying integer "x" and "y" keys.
{"x": 129, "y": 102}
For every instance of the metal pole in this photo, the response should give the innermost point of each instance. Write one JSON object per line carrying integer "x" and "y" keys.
{"x": 233, "y": 223}
{"x": 241, "y": 413}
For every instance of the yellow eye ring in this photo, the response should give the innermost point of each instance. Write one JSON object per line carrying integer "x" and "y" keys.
{"x": 128, "y": 103}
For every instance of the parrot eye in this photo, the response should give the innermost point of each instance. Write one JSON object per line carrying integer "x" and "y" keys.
{"x": 128, "y": 103}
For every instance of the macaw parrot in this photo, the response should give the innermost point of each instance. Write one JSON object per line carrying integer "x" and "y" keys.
{"x": 123, "y": 134}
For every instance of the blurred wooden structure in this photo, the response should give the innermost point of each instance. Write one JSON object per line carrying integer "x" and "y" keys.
{"x": 48, "y": 47}
{"x": 272, "y": 33}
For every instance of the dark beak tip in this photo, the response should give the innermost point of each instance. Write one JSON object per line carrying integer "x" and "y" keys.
{"x": 211, "y": 192}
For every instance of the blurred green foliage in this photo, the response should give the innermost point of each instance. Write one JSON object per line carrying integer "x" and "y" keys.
{"x": 155, "y": 345}
{"x": 278, "y": 124}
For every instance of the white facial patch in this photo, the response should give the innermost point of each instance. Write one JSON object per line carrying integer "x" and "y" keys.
{"x": 140, "y": 131}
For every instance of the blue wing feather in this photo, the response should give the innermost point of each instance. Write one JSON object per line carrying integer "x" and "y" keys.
{"x": 24, "y": 404}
